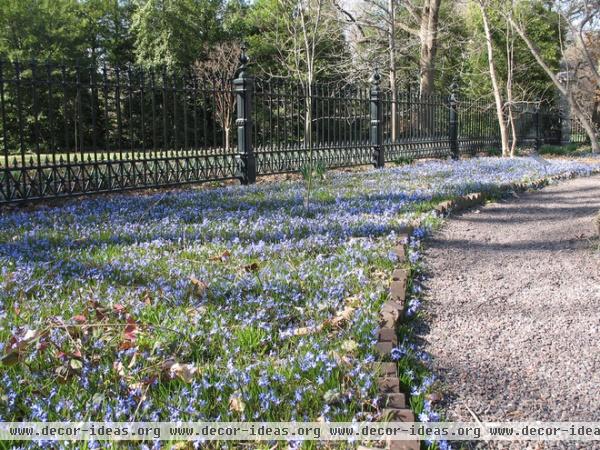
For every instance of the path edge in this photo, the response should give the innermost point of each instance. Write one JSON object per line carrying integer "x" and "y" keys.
{"x": 393, "y": 310}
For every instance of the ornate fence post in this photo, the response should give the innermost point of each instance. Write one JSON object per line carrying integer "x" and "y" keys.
{"x": 453, "y": 120}
{"x": 244, "y": 86}
{"x": 564, "y": 130}
{"x": 376, "y": 129}
{"x": 538, "y": 130}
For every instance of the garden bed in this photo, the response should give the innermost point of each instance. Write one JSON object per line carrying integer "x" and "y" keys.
{"x": 226, "y": 304}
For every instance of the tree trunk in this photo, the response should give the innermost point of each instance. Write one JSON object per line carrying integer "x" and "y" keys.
{"x": 428, "y": 37}
{"x": 227, "y": 137}
{"x": 394, "y": 109}
{"x": 495, "y": 85}
{"x": 510, "y": 53}
{"x": 587, "y": 125}
{"x": 309, "y": 142}
{"x": 393, "y": 87}
{"x": 513, "y": 130}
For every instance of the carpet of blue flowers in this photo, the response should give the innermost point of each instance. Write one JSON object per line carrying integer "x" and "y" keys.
{"x": 227, "y": 304}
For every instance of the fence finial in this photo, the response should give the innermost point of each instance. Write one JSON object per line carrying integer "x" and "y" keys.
{"x": 376, "y": 77}
{"x": 243, "y": 60}
{"x": 454, "y": 92}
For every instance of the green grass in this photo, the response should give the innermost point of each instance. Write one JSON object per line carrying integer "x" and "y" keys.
{"x": 565, "y": 150}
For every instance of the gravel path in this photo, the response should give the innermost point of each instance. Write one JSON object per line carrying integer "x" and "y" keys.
{"x": 513, "y": 299}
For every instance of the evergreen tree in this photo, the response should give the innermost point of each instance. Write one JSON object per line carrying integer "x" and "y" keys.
{"x": 40, "y": 29}
{"x": 174, "y": 33}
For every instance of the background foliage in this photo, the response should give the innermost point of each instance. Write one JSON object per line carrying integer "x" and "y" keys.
{"x": 175, "y": 34}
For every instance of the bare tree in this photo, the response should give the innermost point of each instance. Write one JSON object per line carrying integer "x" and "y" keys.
{"x": 301, "y": 28}
{"x": 510, "y": 68}
{"x": 391, "y": 21}
{"x": 581, "y": 54}
{"x": 392, "y": 68}
{"x": 494, "y": 78}
{"x": 219, "y": 68}
{"x": 575, "y": 105}
{"x": 582, "y": 18}
{"x": 428, "y": 36}
{"x": 376, "y": 30}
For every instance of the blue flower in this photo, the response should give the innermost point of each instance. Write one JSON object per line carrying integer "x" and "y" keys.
{"x": 413, "y": 306}
{"x": 444, "y": 445}
{"x": 397, "y": 353}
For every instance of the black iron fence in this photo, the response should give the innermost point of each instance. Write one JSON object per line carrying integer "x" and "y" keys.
{"x": 286, "y": 117}
{"x": 68, "y": 130}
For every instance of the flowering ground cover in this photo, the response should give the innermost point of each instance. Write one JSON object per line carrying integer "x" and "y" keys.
{"x": 226, "y": 304}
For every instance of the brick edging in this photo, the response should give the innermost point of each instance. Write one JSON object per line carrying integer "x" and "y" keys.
{"x": 394, "y": 404}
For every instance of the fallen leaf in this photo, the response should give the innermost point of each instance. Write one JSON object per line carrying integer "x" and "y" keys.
{"x": 131, "y": 330}
{"x": 332, "y": 396}
{"x": 80, "y": 318}
{"x": 343, "y": 316}
{"x": 75, "y": 364}
{"x": 182, "y": 446}
{"x": 200, "y": 286}
{"x": 42, "y": 345}
{"x": 222, "y": 257}
{"x": 304, "y": 331}
{"x": 434, "y": 397}
{"x": 29, "y": 336}
{"x": 133, "y": 361}
{"x": 21, "y": 339}
{"x": 125, "y": 345}
{"x": 196, "y": 311}
{"x": 253, "y": 267}
{"x": 100, "y": 310}
{"x": 138, "y": 385}
{"x": 62, "y": 374}
{"x": 119, "y": 368}
{"x": 98, "y": 398}
{"x": 236, "y": 403}
{"x": 119, "y": 308}
{"x": 11, "y": 359}
{"x": 349, "y": 346}
{"x": 183, "y": 371}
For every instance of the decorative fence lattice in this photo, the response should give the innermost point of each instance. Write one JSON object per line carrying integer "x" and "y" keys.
{"x": 70, "y": 130}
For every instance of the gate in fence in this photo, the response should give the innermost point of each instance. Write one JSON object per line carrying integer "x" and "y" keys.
{"x": 71, "y": 130}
